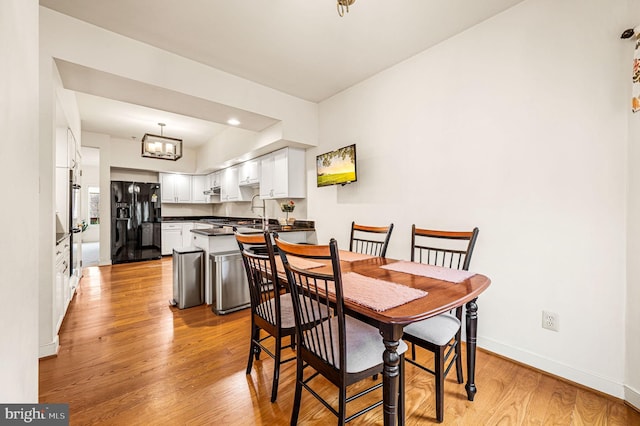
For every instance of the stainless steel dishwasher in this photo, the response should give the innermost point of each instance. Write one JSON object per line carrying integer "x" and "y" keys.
{"x": 229, "y": 285}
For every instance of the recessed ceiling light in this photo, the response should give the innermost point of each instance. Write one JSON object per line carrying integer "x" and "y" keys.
{"x": 233, "y": 121}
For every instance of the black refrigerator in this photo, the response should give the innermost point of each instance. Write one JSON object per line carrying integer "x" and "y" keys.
{"x": 135, "y": 221}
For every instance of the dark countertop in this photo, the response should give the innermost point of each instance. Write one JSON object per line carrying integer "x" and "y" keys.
{"x": 223, "y": 225}
{"x": 228, "y": 230}
{"x": 188, "y": 218}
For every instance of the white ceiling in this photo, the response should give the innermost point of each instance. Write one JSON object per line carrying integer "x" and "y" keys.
{"x": 300, "y": 47}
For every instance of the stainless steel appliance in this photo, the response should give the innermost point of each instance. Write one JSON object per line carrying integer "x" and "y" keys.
{"x": 135, "y": 221}
{"x": 230, "y": 289}
{"x": 188, "y": 277}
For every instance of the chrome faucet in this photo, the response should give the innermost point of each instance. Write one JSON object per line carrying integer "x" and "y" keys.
{"x": 262, "y": 216}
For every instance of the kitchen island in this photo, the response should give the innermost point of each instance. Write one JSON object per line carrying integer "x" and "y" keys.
{"x": 219, "y": 239}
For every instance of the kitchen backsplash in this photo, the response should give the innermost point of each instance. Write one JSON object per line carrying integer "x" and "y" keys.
{"x": 238, "y": 209}
{"x": 272, "y": 206}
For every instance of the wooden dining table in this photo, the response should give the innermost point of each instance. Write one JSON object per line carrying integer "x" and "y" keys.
{"x": 442, "y": 296}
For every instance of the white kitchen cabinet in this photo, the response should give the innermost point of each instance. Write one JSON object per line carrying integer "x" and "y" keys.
{"x": 187, "y": 235}
{"x": 175, "y": 188}
{"x": 199, "y": 183}
{"x": 177, "y": 235}
{"x": 171, "y": 237}
{"x": 73, "y": 151}
{"x": 249, "y": 174}
{"x": 61, "y": 292}
{"x": 230, "y": 189}
{"x": 282, "y": 174}
{"x": 214, "y": 180}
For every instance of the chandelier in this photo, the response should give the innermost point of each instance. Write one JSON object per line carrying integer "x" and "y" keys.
{"x": 163, "y": 147}
{"x": 343, "y": 6}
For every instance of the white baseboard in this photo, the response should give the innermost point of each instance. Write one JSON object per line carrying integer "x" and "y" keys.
{"x": 49, "y": 349}
{"x": 556, "y": 368}
{"x": 632, "y": 396}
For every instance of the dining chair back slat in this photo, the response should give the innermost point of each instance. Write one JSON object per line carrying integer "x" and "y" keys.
{"x": 371, "y": 240}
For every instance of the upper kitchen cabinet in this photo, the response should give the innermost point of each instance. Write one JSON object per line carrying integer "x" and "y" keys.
{"x": 199, "y": 184}
{"x": 249, "y": 174}
{"x": 214, "y": 181}
{"x": 230, "y": 189}
{"x": 282, "y": 174}
{"x": 175, "y": 188}
{"x": 67, "y": 148}
{"x": 62, "y": 148}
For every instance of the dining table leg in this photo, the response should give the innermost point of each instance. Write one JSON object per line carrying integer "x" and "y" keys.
{"x": 472, "y": 332}
{"x": 390, "y": 374}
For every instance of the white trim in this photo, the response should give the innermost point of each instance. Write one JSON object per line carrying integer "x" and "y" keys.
{"x": 590, "y": 380}
{"x": 632, "y": 397}
{"x": 50, "y": 348}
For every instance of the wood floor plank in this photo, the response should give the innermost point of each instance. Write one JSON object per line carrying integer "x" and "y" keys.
{"x": 127, "y": 358}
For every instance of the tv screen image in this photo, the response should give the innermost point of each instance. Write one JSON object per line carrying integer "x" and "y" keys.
{"x": 337, "y": 167}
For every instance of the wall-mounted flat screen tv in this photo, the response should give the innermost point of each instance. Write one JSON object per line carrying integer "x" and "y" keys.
{"x": 337, "y": 167}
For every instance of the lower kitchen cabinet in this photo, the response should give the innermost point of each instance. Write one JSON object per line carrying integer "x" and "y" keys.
{"x": 62, "y": 292}
{"x": 171, "y": 237}
{"x": 176, "y": 235}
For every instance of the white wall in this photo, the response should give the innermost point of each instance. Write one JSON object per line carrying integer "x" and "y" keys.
{"x": 632, "y": 370}
{"x": 517, "y": 126}
{"x": 19, "y": 171}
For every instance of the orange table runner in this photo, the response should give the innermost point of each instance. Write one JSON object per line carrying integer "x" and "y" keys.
{"x": 377, "y": 294}
{"x": 430, "y": 271}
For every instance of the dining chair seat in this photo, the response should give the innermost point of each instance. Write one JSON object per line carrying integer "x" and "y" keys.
{"x": 438, "y": 330}
{"x": 363, "y": 343}
{"x": 287, "y": 315}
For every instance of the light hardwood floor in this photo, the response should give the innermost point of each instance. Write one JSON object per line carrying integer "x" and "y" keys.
{"x": 127, "y": 358}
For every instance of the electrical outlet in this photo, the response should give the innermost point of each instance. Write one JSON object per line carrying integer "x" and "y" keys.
{"x": 550, "y": 321}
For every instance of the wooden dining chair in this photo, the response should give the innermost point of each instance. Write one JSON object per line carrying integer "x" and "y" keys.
{"x": 271, "y": 311}
{"x": 440, "y": 334}
{"x": 341, "y": 348}
{"x": 371, "y": 240}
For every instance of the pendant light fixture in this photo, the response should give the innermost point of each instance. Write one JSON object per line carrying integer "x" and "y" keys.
{"x": 163, "y": 147}
{"x": 343, "y": 6}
